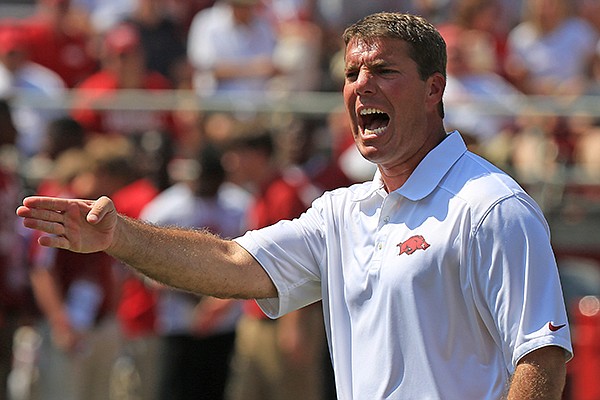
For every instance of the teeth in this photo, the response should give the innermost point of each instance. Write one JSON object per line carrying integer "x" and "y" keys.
{"x": 367, "y": 111}
{"x": 377, "y": 131}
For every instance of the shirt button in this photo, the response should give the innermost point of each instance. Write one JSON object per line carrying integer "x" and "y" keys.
{"x": 386, "y": 219}
{"x": 379, "y": 246}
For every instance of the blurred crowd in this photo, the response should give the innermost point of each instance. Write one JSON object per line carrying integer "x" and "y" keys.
{"x": 82, "y": 327}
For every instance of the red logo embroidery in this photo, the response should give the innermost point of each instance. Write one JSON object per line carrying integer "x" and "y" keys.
{"x": 554, "y": 328}
{"x": 413, "y": 244}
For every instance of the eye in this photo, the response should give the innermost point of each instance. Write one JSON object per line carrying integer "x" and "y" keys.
{"x": 387, "y": 71}
{"x": 351, "y": 75}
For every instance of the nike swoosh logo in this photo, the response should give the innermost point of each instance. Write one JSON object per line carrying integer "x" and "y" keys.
{"x": 554, "y": 328}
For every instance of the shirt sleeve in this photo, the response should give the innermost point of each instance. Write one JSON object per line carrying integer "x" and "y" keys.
{"x": 516, "y": 281}
{"x": 292, "y": 254}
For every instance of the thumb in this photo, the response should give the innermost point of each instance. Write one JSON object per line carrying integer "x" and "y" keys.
{"x": 99, "y": 209}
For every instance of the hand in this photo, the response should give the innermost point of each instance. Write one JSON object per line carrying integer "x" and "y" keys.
{"x": 83, "y": 226}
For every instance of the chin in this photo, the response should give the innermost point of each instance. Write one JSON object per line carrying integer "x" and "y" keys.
{"x": 369, "y": 153}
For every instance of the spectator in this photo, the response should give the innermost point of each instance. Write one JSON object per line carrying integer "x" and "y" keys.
{"x": 163, "y": 42}
{"x": 106, "y": 14}
{"x": 486, "y": 17}
{"x": 535, "y": 152}
{"x": 274, "y": 359}
{"x": 61, "y": 134}
{"x": 14, "y": 306}
{"x": 19, "y": 76}
{"x": 352, "y": 164}
{"x": 237, "y": 190}
{"x": 309, "y": 151}
{"x": 481, "y": 102}
{"x": 76, "y": 294}
{"x": 231, "y": 47}
{"x": 591, "y": 83}
{"x": 197, "y": 334}
{"x": 183, "y": 11}
{"x": 585, "y": 130}
{"x": 549, "y": 50}
{"x": 122, "y": 68}
{"x": 297, "y": 54}
{"x": 60, "y": 39}
{"x": 115, "y": 172}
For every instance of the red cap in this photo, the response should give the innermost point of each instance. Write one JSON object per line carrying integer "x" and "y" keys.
{"x": 122, "y": 39}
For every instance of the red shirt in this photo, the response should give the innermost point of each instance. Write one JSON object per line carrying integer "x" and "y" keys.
{"x": 137, "y": 304}
{"x": 67, "y": 55}
{"x": 279, "y": 199}
{"x": 101, "y": 88}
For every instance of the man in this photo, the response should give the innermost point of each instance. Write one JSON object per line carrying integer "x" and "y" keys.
{"x": 18, "y": 74}
{"x": 231, "y": 46}
{"x": 59, "y": 37}
{"x": 123, "y": 68}
{"x": 437, "y": 278}
{"x": 275, "y": 359}
{"x": 197, "y": 334}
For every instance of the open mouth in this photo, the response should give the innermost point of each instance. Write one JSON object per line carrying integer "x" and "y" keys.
{"x": 373, "y": 121}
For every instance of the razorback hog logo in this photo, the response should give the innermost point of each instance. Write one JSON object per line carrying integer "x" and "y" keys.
{"x": 413, "y": 244}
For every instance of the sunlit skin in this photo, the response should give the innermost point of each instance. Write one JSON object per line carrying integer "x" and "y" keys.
{"x": 379, "y": 74}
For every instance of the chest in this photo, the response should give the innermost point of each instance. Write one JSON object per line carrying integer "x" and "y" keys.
{"x": 402, "y": 249}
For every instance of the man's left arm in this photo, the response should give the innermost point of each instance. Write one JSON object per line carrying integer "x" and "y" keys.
{"x": 540, "y": 374}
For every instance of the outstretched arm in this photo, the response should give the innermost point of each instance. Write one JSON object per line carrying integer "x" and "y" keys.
{"x": 190, "y": 260}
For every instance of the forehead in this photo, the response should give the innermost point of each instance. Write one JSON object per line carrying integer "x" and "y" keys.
{"x": 376, "y": 50}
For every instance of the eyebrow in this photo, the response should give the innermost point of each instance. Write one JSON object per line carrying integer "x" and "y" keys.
{"x": 377, "y": 63}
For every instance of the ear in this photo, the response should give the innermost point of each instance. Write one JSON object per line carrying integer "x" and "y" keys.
{"x": 436, "y": 84}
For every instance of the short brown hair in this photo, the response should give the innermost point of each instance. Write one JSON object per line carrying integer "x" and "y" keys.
{"x": 427, "y": 47}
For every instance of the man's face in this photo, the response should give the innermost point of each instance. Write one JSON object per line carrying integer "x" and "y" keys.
{"x": 388, "y": 103}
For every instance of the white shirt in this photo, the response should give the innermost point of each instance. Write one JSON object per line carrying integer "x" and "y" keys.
{"x": 560, "y": 55}
{"x": 178, "y": 206}
{"x": 481, "y": 92}
{"x": 448, "y": 319}
{"x": 215, "y": 37}
{"x": 40, "y": 85}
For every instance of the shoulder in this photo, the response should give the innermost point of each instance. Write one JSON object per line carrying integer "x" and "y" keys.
{"x": 340, "y": 199}
{"x": 481, "y": 186}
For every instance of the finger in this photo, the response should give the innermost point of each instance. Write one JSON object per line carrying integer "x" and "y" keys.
{"x": 46, "y": 203}
{"x": 41, "y": 214}
{"x": 100, "y": 208}
{"x": 54, "y": 228}
{"x": 54, "y": 241}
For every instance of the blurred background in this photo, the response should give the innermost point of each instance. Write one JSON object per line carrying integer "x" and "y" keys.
{"x": 227, "y": 115}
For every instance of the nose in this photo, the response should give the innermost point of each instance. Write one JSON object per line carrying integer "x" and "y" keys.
{"x": 364, "y": 83}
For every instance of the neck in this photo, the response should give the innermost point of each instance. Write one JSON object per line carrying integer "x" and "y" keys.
{"x": 395, "y": 176}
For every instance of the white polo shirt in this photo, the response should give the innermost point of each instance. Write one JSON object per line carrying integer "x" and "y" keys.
{"x": 433, "y": 291}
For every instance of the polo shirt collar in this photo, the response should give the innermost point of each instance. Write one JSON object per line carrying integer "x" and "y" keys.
{"x": 428, "y": 174}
